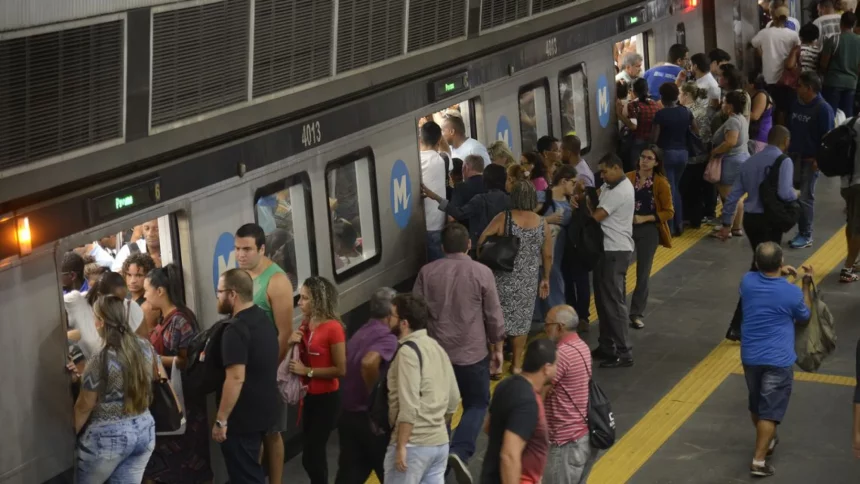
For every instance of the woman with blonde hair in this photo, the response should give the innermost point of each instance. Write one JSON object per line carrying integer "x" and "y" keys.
{"x": 113, "y": 405}
{"x": 517, "y": 289}
{"x": 501, "y": 154}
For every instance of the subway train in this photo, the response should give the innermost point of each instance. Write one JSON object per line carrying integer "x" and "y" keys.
{"x": 338, "y": 190}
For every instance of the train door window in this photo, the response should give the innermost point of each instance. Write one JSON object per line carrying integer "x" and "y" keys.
{"x": 534, "y": 114}
{"x": 681, "y": 34}
{"x": 353, "y": 219}
{"x": 465, "y": 110}
{"x": 283, "y": 210}
{"x": 634, "y": 44}
{"x": 573, "y": 93}
{"x": 131, "y": 253}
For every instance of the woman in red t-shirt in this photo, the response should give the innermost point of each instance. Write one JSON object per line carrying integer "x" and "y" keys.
{"x": 322, "y": 345}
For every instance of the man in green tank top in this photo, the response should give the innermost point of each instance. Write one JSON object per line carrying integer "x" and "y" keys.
{"x": 273, "y": 293}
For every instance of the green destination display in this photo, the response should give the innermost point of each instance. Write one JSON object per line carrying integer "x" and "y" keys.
{"x": 124, "y": 200}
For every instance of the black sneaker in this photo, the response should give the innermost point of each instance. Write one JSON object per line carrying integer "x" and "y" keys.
{"x": 461, "y": 470}
{"x": 600, "y": 354}
{"x": 733, "y": 335}
{"x": 617, "y": 363}
{"x": 762, "y": 471}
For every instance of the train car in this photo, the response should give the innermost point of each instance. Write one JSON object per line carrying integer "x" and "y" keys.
{"x": 352, "y": 158}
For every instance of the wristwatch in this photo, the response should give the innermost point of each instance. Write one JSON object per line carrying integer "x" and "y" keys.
{"x": 221, "y": 424}
{"x": 310, "y": 372}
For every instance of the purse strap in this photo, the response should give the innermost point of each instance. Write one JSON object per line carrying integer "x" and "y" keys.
{"x": 508, "y": 223}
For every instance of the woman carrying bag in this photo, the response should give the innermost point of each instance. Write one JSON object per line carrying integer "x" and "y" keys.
{"x": 729, "y": 153}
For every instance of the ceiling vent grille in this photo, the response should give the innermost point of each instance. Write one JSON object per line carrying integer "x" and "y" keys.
{"x": 432, "y": 22}
{"x": 199, "y": 60}
{"x": 368, "y": 31}
{"x": 539, "y": 6}
{"x": 500, "y": 12}
{"x": 292, "y": 43}
{"x": 60, "y": 91}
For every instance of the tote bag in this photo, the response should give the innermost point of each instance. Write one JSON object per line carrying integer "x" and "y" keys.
{"x": 714, "y": 169}
{"x": 166, "y": 410}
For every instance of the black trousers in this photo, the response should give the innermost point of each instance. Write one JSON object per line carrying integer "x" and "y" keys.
{"x": 757, "y": 230}
{"x": 241, "y": 457}
{"x": 698, "y": 196}
{"x": 319, "y": 418}
{"x": 361, "y": 451}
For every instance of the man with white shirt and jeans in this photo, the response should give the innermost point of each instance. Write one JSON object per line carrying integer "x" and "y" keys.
{"x": 454, "y": 130}
{"x": 433, "y": 177}
{"x": 773, "y": 44}
{"x": 615, "y": 214}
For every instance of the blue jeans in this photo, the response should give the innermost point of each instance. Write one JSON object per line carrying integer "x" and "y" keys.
{"x": 474, "y": 384}
{"x": 115, "y": 451}
{"x": 424, "y": 465}
{"x": 434, "y": 245}
{"x": 840, "y": 98}
{"x": 674, "y": 162}
{"x": 808, "y": 177}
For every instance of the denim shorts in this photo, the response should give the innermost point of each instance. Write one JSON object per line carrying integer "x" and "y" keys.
{"x": 115, "y": 451}
{"x": 769, "y": 390}
{"x": 731, "y": 168}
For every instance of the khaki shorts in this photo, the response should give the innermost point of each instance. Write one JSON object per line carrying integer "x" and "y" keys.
{"x": 852, "y": 206}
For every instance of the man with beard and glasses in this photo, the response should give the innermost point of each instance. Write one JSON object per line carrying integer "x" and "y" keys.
{"x": 422, "y": 397}
{"x": 249, "y": 354}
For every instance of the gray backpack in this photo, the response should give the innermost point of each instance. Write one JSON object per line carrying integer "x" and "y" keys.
{"x": 816, "y": 340}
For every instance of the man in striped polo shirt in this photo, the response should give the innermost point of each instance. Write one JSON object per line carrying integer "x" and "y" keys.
{"x": 571, "y": 455}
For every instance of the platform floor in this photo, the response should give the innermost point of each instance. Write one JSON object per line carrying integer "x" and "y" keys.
{"x": 681, "y": 409}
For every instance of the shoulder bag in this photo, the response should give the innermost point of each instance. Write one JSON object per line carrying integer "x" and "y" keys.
{"x": 290, "y": 385}
{"x": 165, "y": 408}
{"x": 714, "y": 169}
{"x": 500, "y": 251}
{"x": 600, "y": 420}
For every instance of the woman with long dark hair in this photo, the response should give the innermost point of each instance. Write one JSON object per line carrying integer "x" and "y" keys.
{"x": 182, "y": 458}
{"x": 652, "y": 210}
{"x": 534, "y": 164}
{"x": 322, "y": 343}
{"x": 113, "y": 405}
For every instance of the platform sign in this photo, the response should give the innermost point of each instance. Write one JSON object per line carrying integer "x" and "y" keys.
{"x": 503, "y": 131}
{"x": 225, "y": 257}
{"x": 603, "y": 100}
{"x": 401, "y": 193}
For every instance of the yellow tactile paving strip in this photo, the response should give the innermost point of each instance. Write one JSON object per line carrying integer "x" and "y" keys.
{"x": 622, "y": 461}
{"x": 847, "y": 381}
{"x": 661, "y": 259}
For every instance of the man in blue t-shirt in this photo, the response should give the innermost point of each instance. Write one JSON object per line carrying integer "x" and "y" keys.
{"x": 771, "y": 307}
{"x": 668, "y": 71}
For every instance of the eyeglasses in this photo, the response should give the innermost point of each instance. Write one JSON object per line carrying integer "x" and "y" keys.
{"x": 649, "y": 158}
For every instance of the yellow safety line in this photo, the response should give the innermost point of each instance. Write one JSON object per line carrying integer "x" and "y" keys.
{"x": 622, "y": 461}
{"x": 661, "y": 259}
{"x": 847, "y": 381}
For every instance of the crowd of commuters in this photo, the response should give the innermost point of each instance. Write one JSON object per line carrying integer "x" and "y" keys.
{"x": 440, "y": 346}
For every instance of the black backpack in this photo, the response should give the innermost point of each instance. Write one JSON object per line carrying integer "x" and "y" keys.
{"x": 781, "y": 215}
{"x": 600, "y": 420}
{"x": 583, "y": 241}
{"x": 838, "y": 146}
{"x": 378, "y": 409}
{"x": 204, "y": 372}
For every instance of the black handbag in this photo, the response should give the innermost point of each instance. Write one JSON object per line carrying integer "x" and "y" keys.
{"x": 499, "y": 252}
{"x": 781, "y": 214}
{"x": 165, "y": 407}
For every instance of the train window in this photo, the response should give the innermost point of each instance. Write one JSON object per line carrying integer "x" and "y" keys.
{"x": 463, "y": 109}
{"x": 534, "y": 114}
{"x": 353, "y": 220}
{"x": 283, "y": 210}
{"x": 573, "y": 93}
{"x": 150, "y": 244}
{"x": 633, "y": 44}
{"x": 681, "y": 34}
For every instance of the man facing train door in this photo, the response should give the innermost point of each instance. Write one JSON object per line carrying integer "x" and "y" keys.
{"x": 273, "y": 293}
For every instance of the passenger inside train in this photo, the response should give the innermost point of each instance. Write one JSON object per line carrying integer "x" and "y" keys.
{"x": 426, "y": 285}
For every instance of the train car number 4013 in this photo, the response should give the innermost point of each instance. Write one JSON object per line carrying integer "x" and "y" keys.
{"x": 551, "y": 47}
{"x": 311, "y": 134}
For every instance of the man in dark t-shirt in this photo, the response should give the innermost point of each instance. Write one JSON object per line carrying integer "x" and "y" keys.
{"x": 249, "y": 353}
{"x": 516, "y": 423}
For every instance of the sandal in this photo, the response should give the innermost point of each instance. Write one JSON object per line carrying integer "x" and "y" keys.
{"x": 716, "y": 234}
{"x": 847, "y": 274}
{"x": 738, "y": 233}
